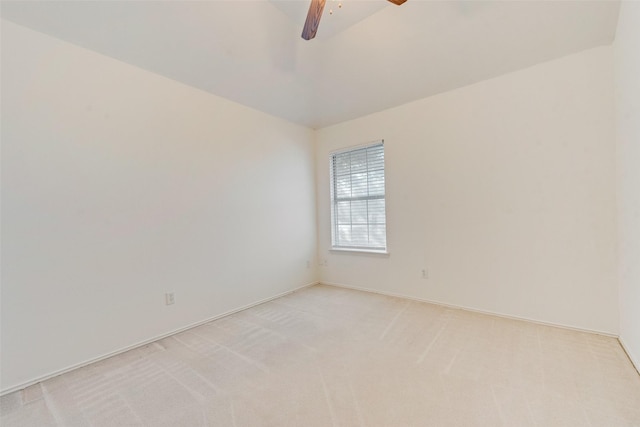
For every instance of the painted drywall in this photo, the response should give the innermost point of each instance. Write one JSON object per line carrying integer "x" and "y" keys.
{"x": 503, "y": 190}
{"x": 627, "y": 95}
{"x": 119, "y": 185}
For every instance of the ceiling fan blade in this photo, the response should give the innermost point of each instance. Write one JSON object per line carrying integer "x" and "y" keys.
{"x": 313, "y": 19}
{"x": 398, "y": 2}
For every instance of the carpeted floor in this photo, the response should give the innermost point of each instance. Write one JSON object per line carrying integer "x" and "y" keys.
{"x": 327, "y": 356}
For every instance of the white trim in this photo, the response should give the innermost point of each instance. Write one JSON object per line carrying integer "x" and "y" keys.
{"x": 632, "y": 357}
{"x": 473, "y": 310}
{"x": 359, "y": 250}
{"x": 145, "y": 342}
{"x": 356, "y": 147}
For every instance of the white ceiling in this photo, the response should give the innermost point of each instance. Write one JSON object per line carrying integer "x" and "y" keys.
{"x": 368, "y": 56}
{"x": 351, "y": 12}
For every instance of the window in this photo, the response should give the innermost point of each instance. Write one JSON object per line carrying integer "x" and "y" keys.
{"x": 357, "y": 199}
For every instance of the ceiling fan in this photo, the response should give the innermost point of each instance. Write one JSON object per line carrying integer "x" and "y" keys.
{"x": 314, "y": 14}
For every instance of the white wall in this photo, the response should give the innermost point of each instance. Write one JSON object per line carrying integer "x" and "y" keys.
{"x": 119, "y": 185}
{"x": 627, "y": 85}
{"x": 504, "y": 189}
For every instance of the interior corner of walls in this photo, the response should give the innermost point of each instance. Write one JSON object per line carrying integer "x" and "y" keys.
{"x": 633, "y": 357}
{"x": 627, "y": 114}
{"x": 88, "y": 210}
{"x": 34, "y": 380}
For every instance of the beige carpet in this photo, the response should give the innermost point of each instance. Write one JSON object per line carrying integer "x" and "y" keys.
{"x": 326, "y": 356}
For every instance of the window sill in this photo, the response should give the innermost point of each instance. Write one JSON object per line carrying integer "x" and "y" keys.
{"x": 360, "y": 251}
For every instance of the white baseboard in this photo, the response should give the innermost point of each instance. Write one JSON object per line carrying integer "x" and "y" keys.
{"x": 474, "y": 310}
{"x": 632, "y": 357}
{"x": 145, "y": 342}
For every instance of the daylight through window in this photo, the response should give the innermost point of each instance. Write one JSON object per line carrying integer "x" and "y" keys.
{"x": 358, "y": 198}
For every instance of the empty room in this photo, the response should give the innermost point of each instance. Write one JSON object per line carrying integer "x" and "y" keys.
{"x": 320, "y": 213}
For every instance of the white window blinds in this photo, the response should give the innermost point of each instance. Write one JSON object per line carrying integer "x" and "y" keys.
{"x": 358, "y": 199}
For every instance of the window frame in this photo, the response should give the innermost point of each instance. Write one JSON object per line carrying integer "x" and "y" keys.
{"x": 333, "y": 201}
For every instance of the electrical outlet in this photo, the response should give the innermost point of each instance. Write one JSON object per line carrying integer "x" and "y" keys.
{"x": 425, "y": 273}
{"x": 325, "y": 262}
{"x": 308, "y": 264}
{"x": 169, "y": 298}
